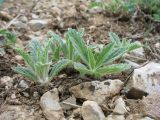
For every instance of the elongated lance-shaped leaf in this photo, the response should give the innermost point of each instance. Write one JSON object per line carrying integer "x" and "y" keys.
{"x": 96, "y": 4}
{"x": 57, "y": 67}
{"x": 56, "y": 45}
{"x": 115, "y": 54}
{"x": 69, "y": 48}
{"x": 124, "y": 43}
{"x": 35, "y": 49}
{"x": 55, "y": 40}
{"x": 25, "y": 72}
{"x": 82, "y": 69}
{"x": 114, "y": 68}
{"x": 78, "y": 44}
{"x": 134, "y": 46}
{"x": 114, "y": 38}
{"x": 27, "y": 58}
{"x": 69, "y": 51}
{"x": 3, "y": 31}
{"x": 91, "y": 59}
{"x": 106, "y": 51}
{"x": 45, "y": 52}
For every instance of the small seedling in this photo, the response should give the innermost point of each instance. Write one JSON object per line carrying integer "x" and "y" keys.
{"x": 97, "y": 64}
{"x": 116, "y": 6}
{"x": 124, "y": 43}
{"x": 7, "y": 38}
{"x": 129, "y": 7}
{"x": 64, "y": 48}
{"x": 39, "y": 67}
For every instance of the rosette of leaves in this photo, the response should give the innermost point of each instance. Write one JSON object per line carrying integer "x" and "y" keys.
{"x": 7, "y": 38}
{"x": 129, "y": 7}
{"x": 116, "y": 6}
{"x": 39, "y": 66}
{"x": 97, "y": 64}
{"x": 124, "y": 43}
{"x": 63, "y": 48}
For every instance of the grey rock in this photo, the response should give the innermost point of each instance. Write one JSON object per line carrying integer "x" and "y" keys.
{"x": 69, "y": 103}
{"x": 115, "y": 117}
{"x": 51, "y": 108}
{"x": 38, "y": 24}
{"x": 23, "y": 84}
{"x": 25, "y": 94}
{"x": 91, "y": 111}
{"x": 34, "y": 16}
{"x": 97, "y": 91}
{"x": 36, "y": 94}
{"x": 120, "y": 106}
{"x": 13, "y": 96}
{"x": 20, "y": 25}
{"x": 144, "y": 81}
{"x": 146, "y": 118}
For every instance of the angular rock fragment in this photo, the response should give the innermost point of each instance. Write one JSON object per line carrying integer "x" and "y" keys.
{"x": 50, "y": 105}
{"x": 97, "y": 91}
{"x": 91, "y": 111}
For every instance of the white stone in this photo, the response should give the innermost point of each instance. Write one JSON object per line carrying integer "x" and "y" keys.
{"x": 97, "y": 91}
{"x": 146, "y": 118}
{"x": 115, "y": 117}
{"x": 23, "y": 84}
{"x": 120, "y": 106}
{"x": 67, "y": 104}
{"x": 91, "y": 111}
{"x": 145, "y": 80}
{"x": 50, "y": 105}
{"x": 37, "y": 24}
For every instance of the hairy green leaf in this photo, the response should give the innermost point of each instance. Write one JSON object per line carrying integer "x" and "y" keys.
{"x": 106, "y": 51}
{"x": 57, "y": 67}
{"x": 134, "y": 46}
{"x": 114, "y": 68}
{"x": 114, "y": 38}
{"x": 78, "y": 44}
{"x": 82, "y": 68}
{"x": 39, "y": 63}
{"x": 27, "y": 58}
{"x": 25, "y": 72}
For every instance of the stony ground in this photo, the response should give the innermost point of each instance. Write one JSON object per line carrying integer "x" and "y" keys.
{"x": 133, "y": 95}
